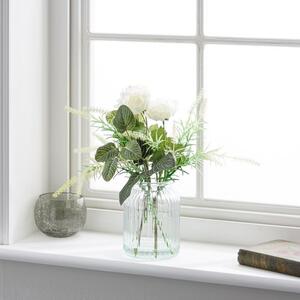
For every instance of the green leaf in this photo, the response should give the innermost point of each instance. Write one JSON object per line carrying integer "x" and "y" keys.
{"x": 157, "y": 133}
{"x": 139, "y": 126}
{"x": 124, "y": 119}
{"x": 110, "y": 116}
{"x": 106, "y": 152}
{"x": 110, "y": 168}
{"x": 182, "y": 160}
{"x": 168, "y": 144}
{"x": 157, "y": 155}
{"x": 153, "y": 127}
{"x": 131, "y": 151}
{"x": 146, "y": 149}
{"x": 178, "y": 148}
{"x": 165, "y": 163}
{"x": 126, "y": 190}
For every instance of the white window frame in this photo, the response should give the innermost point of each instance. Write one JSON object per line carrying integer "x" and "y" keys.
{"x": 4, "y": 121}
{"x": 201, "y": 208}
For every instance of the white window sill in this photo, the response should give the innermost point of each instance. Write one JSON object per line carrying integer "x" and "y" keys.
{"x": 202, "y": 262}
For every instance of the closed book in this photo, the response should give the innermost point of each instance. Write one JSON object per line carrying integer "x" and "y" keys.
{"x": 277, "y": 256}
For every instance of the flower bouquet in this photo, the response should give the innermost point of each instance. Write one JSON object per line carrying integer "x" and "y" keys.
{"x": 139, "y": 145}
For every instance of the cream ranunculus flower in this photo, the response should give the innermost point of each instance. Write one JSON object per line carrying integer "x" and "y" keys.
{"x": 161, "y": 110}
{"x": 136, "y": 98}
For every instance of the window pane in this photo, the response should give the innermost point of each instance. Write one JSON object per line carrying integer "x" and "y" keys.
{"x": 253, "y": 18}
{"x": 167, "y": 70}
{"x": 174, "y": 17}
{"x": 253, "y": 111}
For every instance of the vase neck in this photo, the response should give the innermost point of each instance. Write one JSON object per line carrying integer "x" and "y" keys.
{"x": 153, "y": 186}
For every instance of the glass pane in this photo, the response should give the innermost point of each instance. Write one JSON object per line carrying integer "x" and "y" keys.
{"x": 253, "y": 18}
{"x": 174, "y": 17}
{"x": 253, "y": 112}
{"x": 167, "y": 70}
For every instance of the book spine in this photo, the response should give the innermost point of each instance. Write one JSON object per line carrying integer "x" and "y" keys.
{"x": 268, "y": 262}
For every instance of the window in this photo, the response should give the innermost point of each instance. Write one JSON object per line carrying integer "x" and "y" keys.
{"x": 249, "y": 71}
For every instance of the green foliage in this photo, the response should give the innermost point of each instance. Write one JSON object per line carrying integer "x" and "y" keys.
{"x": 139, "y": 127}
{"x": 131, "y": 151}
{"x": 146, "y": 150}
{"x": 126, "y": 190}
{"x": 110, "y": 168}
{"x": 146, "y": 153}
{"x": 165, "y": 163}
{"x": 157, "y": 155}
{"x": 110, "y": 116}
{"x": 106, "y": 152}
{"x": 124, "y": 119}
{"x": 157, "y": 133}
{"x": 136, "y": 135}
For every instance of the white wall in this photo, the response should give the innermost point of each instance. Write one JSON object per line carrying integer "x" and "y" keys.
{"x": 28, "y": 117}
{"x": 38, "y": 282}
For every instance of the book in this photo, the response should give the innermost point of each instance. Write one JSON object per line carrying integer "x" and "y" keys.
{"x": 277, "y": 256}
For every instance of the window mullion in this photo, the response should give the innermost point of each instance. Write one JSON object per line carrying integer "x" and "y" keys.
{"x": 251, "y": 41}
{"x": 200, "y": 64}
{"x": 143, "y": 37}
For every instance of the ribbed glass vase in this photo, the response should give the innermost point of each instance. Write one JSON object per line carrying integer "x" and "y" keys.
{"x": 152, "y": 221}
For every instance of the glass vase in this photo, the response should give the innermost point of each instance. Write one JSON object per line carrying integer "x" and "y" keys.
{"x": 60, "y": 217}
{"x": 152, "y": 221}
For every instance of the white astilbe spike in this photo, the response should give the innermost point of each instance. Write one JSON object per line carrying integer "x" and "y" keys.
{"x": 94, "y": 110}
{"x": 198, "y": 108}
{"x": 241, "y": 159}
{"x": 136, "y": 135}
{"x": 186, "y": 132}
{"x": 67, "y": 184}
{"x": 219, "y": 158}
{"x": 77, "y": 112}
{"x": 201, "y": 105}
{"x": 87, "y": 173}
{"x": 200, "y": 156}
{"x": 84, "y": 150}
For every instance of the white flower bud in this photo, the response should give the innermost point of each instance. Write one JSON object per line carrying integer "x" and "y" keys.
{"x": 161, "y": 110}
{"x": 136, "y": 98}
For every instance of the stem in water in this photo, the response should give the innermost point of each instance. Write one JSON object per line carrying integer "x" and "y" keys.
{"x": 151, "y": 207}
{"x": 155, "y": 225}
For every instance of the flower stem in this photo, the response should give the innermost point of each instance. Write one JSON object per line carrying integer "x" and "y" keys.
{"x": 144, "y": 217}
{"x": 164, "y": 236}
{"x": 155, "y": 225}
{"x": 151, "y": 206}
